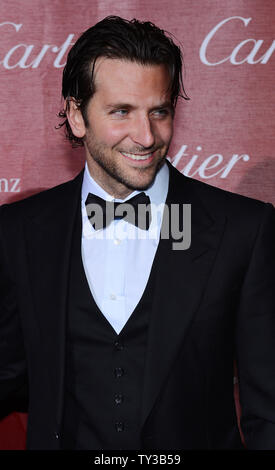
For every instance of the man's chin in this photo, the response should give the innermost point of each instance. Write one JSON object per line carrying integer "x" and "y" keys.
{"x": 147, "y": 181}
{"x": 140, "y": 185}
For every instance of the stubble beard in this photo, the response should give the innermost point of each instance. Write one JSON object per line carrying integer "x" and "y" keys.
{"x": 97, "y": 152}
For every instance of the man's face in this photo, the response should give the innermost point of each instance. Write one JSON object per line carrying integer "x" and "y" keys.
{"x": 130, "y": 125}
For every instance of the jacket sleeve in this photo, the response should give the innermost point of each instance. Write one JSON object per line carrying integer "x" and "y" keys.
{"x": 12, "y": 355}
{"x": 255, "y": 340}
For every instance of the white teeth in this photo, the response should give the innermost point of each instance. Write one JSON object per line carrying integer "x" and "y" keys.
{"x": 137, "y": 157}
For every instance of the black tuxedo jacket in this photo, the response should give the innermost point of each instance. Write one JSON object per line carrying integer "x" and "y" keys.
{"x": 213, "y": 307}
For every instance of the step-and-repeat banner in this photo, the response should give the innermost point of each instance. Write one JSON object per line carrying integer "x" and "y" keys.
{"x": 223, "y": 136}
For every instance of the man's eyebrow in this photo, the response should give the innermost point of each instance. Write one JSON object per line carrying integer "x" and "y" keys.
{"x": 164, "y": 104}
{"x": 119, "y": 106}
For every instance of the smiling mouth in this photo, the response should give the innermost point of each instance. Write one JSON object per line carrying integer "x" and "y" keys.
{"x": 135, "y": 156}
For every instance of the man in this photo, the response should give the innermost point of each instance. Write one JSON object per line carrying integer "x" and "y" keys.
{"x": 129, "y": 342}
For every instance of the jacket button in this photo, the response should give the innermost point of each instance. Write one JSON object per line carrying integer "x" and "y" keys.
{"x": 119, "y": 426}
{"x": 56, "y": 435}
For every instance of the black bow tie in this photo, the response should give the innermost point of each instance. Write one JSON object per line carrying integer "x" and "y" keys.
{"x": 135, "y": 210}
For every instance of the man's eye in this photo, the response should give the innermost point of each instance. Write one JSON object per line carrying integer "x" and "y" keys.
{"x": 161, "y": 112}
{"x": 120, "y": 112}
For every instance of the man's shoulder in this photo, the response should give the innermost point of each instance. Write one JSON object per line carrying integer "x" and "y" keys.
{"x": 43, "y": 200}
{"x": 214, "y": 199}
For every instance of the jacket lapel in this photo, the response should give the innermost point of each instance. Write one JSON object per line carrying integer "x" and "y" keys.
{"x": 181, "y": 280}
{"x": 49, "y": 237}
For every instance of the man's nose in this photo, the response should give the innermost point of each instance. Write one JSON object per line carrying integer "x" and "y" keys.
{"x": 142, "y": 132}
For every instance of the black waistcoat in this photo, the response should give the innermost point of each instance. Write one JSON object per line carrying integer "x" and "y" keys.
{"x": 104, "y": 370}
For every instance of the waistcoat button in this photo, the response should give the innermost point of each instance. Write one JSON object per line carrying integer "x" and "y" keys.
{"x": 118, "y": 399}
{"x": 119, "y": 372}
{"x": 118, "y": 346}
{"x": 119, "y": 426}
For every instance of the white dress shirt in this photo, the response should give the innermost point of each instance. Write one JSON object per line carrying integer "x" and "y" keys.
{"x": 118, "y": 259}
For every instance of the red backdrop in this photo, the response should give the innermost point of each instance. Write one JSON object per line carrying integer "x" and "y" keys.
{"x": 224, "y": 135}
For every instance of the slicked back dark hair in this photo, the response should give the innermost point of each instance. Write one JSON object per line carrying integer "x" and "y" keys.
{"x": 117, "y": 38}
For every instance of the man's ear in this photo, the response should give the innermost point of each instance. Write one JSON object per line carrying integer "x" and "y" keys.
{"x": 75, "y": 118}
